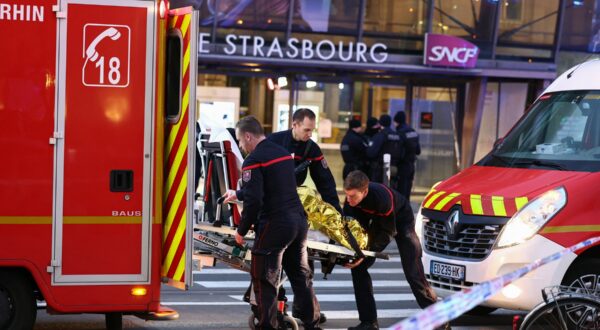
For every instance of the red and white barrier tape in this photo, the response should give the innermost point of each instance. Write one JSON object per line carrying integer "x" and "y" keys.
{"x": 461, "y": 302}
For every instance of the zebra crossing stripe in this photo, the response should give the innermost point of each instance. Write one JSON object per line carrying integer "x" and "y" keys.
{"x": 316, "y": 284}
{"x": 331, "y": 315}
{"x": 381, "y": 314}
{"x": 340, "y": 270}
{"x": 350, "y": 297}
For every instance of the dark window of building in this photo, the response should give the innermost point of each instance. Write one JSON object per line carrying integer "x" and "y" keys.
{"x": 470, "y": 20}
{"x": 244, "y": 84}
{"x": 400, "y": 25}
{"x": 527, "y": 29}
{"x": 321, "y": 16}
{"x": 582, "y": 30}
{"x": 512, "y": 10}
{"x": 247, "y": 14}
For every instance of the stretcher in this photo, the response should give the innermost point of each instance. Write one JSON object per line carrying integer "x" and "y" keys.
{"x": 214, "y": 242}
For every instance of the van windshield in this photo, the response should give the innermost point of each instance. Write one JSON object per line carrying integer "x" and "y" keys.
{"x": 560, "y": 132}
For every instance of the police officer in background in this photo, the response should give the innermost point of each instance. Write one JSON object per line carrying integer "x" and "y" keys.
{"x": 412, "y": 148}
{"x": 308, "y": 155}
{"x": 272, "y": 205}
{"x": 387, "y": 141}
{"x": 385, "y": 214}
{"x": 373, "y": 127}
{"x": 354, "y": 148}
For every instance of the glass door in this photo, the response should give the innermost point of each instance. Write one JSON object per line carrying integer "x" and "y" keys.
{"x": 433, "y": 117}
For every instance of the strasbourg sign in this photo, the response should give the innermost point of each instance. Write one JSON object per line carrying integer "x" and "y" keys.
{"x": 449, "y": 51}
{"x": 294, "y": 48}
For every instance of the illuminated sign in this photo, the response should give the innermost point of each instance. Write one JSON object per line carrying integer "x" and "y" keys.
{"x": 449, "y": 51}
{"x": 294, "y": 48}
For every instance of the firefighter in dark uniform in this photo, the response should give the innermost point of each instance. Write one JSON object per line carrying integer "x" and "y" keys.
{"x": 412, "y": 148}
{"x": 308, "y": 155}
{"x": 354, "y": 149}
{"x": 272, "y": 205}
{"x": 387, "y": 141}
{"x": 386, "y": 215}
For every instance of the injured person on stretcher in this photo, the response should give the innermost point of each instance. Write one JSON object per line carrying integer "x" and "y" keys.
{"x": 332, "y": 226}
{"x": 217, "y": 243}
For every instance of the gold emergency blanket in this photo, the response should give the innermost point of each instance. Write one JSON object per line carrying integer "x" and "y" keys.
{"x": 326, "y": 219}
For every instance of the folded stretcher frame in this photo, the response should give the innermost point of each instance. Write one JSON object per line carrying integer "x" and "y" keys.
{"x": 219, "y": 243}
{"x": 214, "y": 242}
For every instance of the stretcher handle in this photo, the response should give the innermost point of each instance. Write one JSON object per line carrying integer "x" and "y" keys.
{"x": 352, "y": 241}
{"x": 222, "y": 198}
{"x": 218, "y": 221}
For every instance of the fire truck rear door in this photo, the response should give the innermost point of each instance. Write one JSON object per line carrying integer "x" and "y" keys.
{"x": 104, "y": 142}
{"x": 180, "y": 148}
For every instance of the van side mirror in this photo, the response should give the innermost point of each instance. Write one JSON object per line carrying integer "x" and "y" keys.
{"x": 498, "y": 142}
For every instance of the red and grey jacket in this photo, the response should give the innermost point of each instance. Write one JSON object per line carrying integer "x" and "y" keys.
{"x": 268, "y": 186}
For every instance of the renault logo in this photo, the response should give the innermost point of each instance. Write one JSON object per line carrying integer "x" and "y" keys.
{"x": 452, "y": 224}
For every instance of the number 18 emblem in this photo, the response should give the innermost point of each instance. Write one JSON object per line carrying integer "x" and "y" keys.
{"x": 106, "y": 55}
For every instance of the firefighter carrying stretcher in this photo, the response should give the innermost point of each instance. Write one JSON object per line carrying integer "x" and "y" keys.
{"x": 386, "y": 215}
{"x": 272, "y": 205}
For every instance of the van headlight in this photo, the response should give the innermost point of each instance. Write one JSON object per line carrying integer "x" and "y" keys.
{"x": 533, "y": 216}
{"x": 419, "y": 224}
{"x": 420, "y": 220}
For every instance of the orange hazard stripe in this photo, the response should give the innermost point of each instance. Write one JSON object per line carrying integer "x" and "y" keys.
{"x": 520, "y": 202}
{"x": 159, "y": 139}
{"x": 433, "y": 198}
{"x": 26, "y": 220}
{"x": 174, "y": 233}
{"x": 571, "y": 229}
{"x": 429, "y": 194}
{"x": 498, "y": 206}
{"x": 446, "y": 201}
{"x": 73, "y": 220}
{"x": 474, "y": 203}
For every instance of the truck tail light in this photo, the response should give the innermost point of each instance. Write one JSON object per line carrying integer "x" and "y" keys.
{"x": 139, "y": 291}
{"x": 162, "y": 9}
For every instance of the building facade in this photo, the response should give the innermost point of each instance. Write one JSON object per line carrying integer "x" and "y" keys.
{"x": 360, "y": 58}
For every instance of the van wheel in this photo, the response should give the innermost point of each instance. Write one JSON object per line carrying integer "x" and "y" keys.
{"x": 114, "y": 321}
{"x": 18, "y": 308}
{"x": 584, "y": 274}
{"x": 481, "y": 311}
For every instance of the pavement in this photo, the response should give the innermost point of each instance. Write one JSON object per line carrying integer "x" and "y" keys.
{"x": 215, "y": 302}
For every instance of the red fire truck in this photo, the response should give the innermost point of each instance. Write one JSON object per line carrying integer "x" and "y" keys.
{"x": 95, "y": 105}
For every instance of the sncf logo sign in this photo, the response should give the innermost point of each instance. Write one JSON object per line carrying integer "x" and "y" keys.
{"x": 454, "y": 55}
{"x": 449, "y": 51}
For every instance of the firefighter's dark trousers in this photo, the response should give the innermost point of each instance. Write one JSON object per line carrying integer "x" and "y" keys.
{"x": 281, "y": 242}
{"x": 361, "y": 279}
{"x": 410, "y": 255}
{"x": 363, "y": 291}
